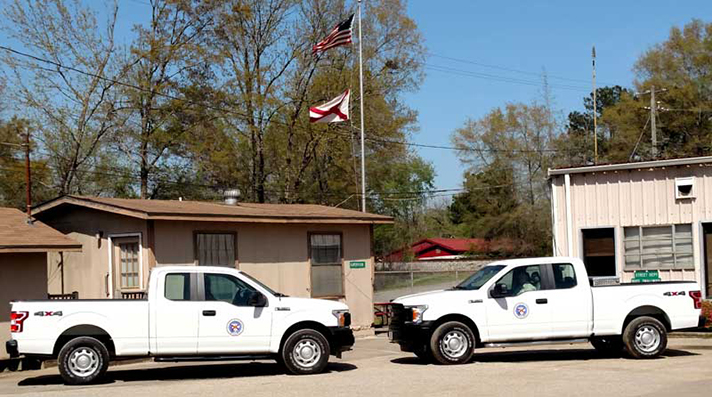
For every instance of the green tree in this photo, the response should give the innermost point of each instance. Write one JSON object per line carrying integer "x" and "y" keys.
{"x": 508, "y": 152}
{"x": 12, "y": 166}
{"x": 682, "y": 67}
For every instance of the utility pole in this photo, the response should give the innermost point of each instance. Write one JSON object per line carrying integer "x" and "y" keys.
{"x": 653, "y": 129}
{"x": 595, "y": 107}
{"x": 28, "y": 177}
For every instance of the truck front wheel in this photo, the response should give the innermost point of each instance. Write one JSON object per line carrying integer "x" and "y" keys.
{"x": 452, "y": 343}
{"x": 645, "y": 337}
{"x": 83, "y": 360}
{"x": 306, "y": 351}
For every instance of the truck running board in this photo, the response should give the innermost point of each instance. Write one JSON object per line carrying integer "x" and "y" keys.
{"x": 537, "y": 342}
{"x": 213, "y": 358}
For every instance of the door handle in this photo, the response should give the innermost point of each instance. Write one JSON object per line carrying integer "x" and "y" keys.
{"x": 542, "y": 301}
{"x": 208, "y": 313}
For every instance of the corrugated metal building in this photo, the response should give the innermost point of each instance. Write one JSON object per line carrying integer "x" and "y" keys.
{"x": 620, "y": 218}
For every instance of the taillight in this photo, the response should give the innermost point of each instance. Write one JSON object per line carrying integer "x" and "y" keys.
{"x": 696, "y": 298}
{"x": 16, "y": 320}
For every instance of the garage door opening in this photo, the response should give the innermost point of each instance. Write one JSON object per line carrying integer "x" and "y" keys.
{"x": 599, "y": 252}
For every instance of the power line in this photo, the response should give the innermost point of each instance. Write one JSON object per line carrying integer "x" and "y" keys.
{"x": 491, "y": 77}
{"x": 507, "y": 69}
{"x": 230, "y": 111}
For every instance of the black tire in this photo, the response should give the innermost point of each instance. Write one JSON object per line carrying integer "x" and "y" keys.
{"x": 645, "y": 337}
{"x": 459, "y": 351}
{"x": 424, "y": 354}
{"x": 608, "y": 345}
{"x": 83, "y": 360}
{"x": 299, "y": 362}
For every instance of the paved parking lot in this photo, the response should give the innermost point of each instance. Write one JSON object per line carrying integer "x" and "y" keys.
{"x": 378, "y": 368}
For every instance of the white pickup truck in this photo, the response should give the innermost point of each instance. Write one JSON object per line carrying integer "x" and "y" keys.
{"x": 542, "y": 300}
{"x": 192, "y": 313}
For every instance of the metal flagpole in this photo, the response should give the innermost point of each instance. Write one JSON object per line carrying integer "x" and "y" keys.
{"x": 360, "y": 74}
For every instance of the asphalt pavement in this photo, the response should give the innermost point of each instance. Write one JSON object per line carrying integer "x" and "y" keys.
{"x": 377, "y": 368}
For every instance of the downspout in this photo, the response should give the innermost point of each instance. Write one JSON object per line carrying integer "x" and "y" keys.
{"x": 569, "y": 225}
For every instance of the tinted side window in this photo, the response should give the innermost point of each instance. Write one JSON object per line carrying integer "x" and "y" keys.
{"x": 564, "y": 275}
{"x": 177, "y": 286}
{"x": 226, "y": 288}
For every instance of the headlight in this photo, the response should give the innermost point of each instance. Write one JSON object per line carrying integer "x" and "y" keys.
{"x": 343, "y": 318}
{"x": 417, "y": 313}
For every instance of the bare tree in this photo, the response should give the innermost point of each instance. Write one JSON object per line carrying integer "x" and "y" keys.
{"x": 74, "y": 112}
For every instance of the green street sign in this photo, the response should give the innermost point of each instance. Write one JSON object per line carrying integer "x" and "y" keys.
{"x": 646, "y": 276}
{"x": 357, "y": 264}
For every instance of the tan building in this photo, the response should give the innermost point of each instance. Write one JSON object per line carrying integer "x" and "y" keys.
{"x": 23, "y": 263}
{"x": 623, "y": 218}
{"x": 299, "y": 250}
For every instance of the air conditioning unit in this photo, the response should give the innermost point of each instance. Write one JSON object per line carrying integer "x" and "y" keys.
{"x": 684, "y": 188}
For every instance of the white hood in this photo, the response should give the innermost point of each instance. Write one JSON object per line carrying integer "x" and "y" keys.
{"x": 310, "y": 304}
{"x": 436, "y": 297}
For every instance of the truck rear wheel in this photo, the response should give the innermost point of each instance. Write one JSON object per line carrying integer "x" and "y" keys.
{"x": 306, "y": 351}
{"x": 608, "y": 345}
{"x": 645, "y": 337}
{"x": 83, "y": 360}
{"x": 452, "y": 343}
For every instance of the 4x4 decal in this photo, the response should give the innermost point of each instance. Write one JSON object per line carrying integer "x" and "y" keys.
{"x": 673, "y": 293}
{"x": 47, "y": 314}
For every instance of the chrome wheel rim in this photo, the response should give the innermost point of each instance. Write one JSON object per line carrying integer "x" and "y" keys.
{"x": 306, "y": 353}
{"x": 83, "y": 362}
{"x": 647, "y": 339}
{"x": 454, "y": 344}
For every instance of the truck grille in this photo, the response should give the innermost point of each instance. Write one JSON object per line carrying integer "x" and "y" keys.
{"x": 399, "y": 315}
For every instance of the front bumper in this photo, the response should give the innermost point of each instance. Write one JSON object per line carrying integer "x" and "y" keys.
{"x": 411, "y": 336}
{"x": 11, "y": 348}
{"x": 341, "y": 340}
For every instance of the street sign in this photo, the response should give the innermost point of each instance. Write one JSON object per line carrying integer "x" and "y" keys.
{"x": 357, "y": 264}
{"x": 646, "y": 276}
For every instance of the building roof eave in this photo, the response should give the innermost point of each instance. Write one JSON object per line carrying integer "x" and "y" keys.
{"x": 631, "y": 166}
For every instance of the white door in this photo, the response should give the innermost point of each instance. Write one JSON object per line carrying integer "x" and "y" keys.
{"x": 176, "y": 311}
{"x": 228, "y": 322}
{"x": 571, "y": 303}
{"x": 523, "y": 313}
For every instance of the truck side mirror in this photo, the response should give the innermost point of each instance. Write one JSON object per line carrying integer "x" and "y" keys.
{"x": 499, "y": 291}
{"x": 257, "y": 300}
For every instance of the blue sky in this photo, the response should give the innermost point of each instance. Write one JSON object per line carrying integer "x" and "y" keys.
{"x": 531, "y": 36}
{"x": 528, "y": 36}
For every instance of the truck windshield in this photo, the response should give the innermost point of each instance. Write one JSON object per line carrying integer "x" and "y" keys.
{"x": 270, "y": 290}
{"x": 478, "y": 279}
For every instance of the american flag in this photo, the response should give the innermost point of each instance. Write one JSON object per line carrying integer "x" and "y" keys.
{"x": 340, "y": 35}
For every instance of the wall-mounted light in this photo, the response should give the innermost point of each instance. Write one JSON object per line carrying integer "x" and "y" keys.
{"x": 99, "y": 235}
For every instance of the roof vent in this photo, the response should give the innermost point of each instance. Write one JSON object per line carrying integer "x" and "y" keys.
{"x": 231, "y": 196}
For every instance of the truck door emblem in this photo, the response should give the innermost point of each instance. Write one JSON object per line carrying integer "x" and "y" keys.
{"x": 235, "y": 327}
{"x": 521, "y": 310}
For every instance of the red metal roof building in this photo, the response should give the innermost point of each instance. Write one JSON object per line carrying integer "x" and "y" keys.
{"x": 448, "y": 248}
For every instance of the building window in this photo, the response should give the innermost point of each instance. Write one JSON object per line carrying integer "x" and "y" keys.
{"x": 215, "y": 249}
{"x": 658, "y": 247}
{"x": 129, "y": 265}
{"x": 326, "y": 265}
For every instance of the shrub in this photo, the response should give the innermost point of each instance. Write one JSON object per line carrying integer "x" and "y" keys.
{"x": 707, "y": 312}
